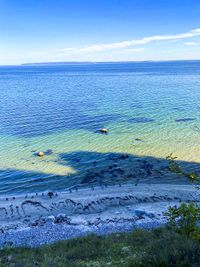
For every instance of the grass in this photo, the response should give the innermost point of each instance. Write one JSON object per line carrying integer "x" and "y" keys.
{"x": 140, "y": 248}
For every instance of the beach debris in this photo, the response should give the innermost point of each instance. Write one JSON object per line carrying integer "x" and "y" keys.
{"x": 50, "y": 194}
{"x": 104, "y": 130}
{"x": 40, "y": 154}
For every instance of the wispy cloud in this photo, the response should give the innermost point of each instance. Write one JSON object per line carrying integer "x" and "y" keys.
{"x": 129, "y": 50}
{"x": 191, "y": 43}
{"x": 127, "y": 44}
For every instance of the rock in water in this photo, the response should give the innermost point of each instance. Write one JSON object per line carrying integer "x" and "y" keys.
{"x": 40, "y": 154}
{"x": 104, "y": 130}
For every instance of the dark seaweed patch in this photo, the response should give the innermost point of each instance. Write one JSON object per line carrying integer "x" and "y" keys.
{"x": 185, "y": 119}
{"x": 140, "y": 120}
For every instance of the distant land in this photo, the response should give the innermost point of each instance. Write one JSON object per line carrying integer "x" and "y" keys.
{"x": 78, "y": 63}
{"x": 103, "y": 62}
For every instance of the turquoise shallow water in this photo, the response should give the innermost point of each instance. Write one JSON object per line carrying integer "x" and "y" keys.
{"x": 151, "y": 109}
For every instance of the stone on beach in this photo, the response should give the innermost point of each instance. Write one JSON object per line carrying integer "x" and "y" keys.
{"x": 50, "y": 194}
{"x": 87, "y": 212}
{"x": 60, "y": 218}
{"x": 50, "y": 218}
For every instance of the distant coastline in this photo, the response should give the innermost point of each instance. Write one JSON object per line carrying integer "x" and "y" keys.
{"x": 105, "y": 62}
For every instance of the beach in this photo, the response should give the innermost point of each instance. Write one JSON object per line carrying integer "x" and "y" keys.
{"x": 36, "y": 219}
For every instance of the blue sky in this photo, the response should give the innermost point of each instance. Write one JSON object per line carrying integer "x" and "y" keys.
{"x": 98, "y": 30}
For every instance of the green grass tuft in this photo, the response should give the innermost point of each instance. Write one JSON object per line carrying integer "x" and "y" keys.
{"x": 141, "y": 248}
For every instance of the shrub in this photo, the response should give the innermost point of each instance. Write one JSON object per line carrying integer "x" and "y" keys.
{"x": 184, "y": 219}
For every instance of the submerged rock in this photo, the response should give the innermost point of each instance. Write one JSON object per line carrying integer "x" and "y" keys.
{"x": 138, "y": 139}
{"x": 48, "y": 152}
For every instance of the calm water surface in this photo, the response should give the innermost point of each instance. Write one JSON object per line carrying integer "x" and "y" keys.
{"x": 150, "y": 109}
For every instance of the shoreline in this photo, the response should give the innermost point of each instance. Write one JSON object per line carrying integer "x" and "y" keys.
{"x": 44, "y": 218}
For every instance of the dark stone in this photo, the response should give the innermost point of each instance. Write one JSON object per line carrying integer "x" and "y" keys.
{"x": 140, "y": 213}
{"x": 61, "y": 218}
{"x": 50, "y": 194}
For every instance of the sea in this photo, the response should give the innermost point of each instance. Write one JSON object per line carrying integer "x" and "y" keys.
{"x": 150, "y": 109}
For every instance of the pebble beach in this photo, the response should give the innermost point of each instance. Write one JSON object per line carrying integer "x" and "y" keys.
{"x": 37, "y": 219}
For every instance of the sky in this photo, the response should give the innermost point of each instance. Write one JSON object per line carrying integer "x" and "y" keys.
{"x": 98, "y": 30}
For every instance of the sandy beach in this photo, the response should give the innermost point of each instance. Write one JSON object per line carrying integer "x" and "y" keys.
{"x": 40, "y": 218}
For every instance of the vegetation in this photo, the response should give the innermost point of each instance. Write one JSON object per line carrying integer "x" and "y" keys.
{"x": 140, "y": 248}
{"x": 174, "y": 167}
{"x": 185, "y": 219}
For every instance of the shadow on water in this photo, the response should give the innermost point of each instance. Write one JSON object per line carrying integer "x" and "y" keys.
{"x": 93, "y": 168}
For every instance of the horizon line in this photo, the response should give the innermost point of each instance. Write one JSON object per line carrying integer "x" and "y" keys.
{"x": 95, "y": 62}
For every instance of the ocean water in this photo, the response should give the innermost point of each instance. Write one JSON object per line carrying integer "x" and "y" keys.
{"x": 150, "y": 108}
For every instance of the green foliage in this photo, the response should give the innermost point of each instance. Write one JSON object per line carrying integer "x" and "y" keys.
{"x": 174, "y": 167}
{"x": 192, "y": 176}
{"x": 184, "y": 219}
{"x": 141, "y": 248}
{"x": 170, "y": 157}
